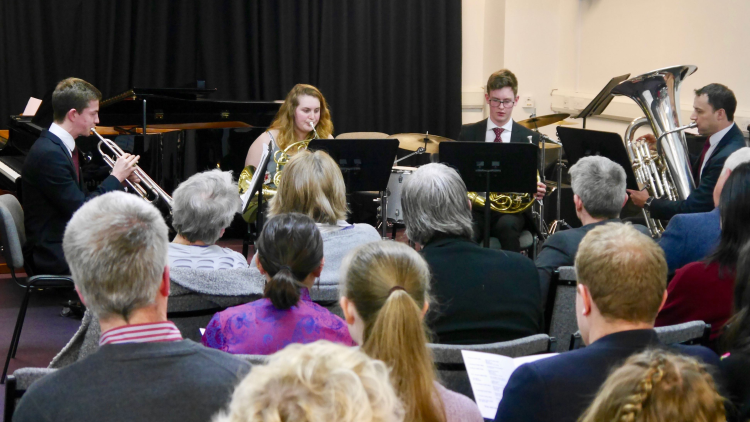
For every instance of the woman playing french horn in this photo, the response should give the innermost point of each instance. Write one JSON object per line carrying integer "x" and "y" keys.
{"x": 303, "y": 115}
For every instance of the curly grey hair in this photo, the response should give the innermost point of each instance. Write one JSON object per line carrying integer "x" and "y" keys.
{"x": 204, "y": 205}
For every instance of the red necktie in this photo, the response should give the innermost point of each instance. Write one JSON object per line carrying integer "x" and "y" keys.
{"x": 76, "y": 165}
{"x": 498, "y": 131}
{"x": 697, "y": 174}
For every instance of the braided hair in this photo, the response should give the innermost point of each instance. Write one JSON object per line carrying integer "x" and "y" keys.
{"x": 656, "y": 385}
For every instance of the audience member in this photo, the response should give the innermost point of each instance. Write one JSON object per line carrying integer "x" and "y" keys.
{"x": 116, "y": 247}
{"x": 622, "y": 277}
{"x": 485, "y": 295}
{"x": 316, "y": 382}
{"x": 290, "y": 256}
{"x": 312, "y": 184}
{"x": 657, "y": 386}
{"x": 690, "y": 237}
{"x": 735, "y": 364}
{"x": 385, "y": 292}
{"x": 703, "y": 290}
{"x": 598, "y": 194}
{"x": 202, "y": 207}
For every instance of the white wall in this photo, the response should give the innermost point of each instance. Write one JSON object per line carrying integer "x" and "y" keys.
{"x": 565, "y": 51}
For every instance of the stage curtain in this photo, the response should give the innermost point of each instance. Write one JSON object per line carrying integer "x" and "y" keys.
{"x": 383, "y": 65}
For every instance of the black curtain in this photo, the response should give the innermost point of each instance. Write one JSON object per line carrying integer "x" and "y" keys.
{"x": 383, "y": 65}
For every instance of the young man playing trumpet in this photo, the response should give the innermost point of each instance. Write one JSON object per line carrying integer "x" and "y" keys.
{"x": 52, "y": 186}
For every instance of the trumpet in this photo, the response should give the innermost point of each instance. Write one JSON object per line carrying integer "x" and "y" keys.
{"x": 147, "y": 189}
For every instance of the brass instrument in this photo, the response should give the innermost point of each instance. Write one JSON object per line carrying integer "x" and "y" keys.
{"x": 666, "y": 174}
{"x": 147, "y": 189}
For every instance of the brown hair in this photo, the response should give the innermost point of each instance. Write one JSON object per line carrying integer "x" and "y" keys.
{"x": 284, "y": 120}
{"x": 312, "y": 184}
{"x": 389, "y": 283}
{"x": 655, "y": 386}
{"x": 501, "y": 79}
{"x": 72, "y": 93}
{"x": 624, "y": 270}
{"x": 289, "y": 249}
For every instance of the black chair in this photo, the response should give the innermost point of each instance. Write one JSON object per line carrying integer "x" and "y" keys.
{"x": 560, "y": 314}
{"x": 13, "y": 236}
{"x": 17, "y": 385}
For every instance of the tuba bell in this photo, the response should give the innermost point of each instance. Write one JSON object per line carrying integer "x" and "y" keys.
{"x": 667, "y": 173}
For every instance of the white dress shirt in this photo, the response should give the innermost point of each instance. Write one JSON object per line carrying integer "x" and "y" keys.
{"x": 504, "y": 137}
{"x": 66, "y": 137}
{"x": 713, "y": 141}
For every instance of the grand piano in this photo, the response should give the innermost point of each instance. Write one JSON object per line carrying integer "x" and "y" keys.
{"x": 186, "y": 133}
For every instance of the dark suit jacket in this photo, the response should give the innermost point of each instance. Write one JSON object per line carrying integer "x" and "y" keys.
{"x": 690, "y": 237}
{"x": 560, "y": 250}
{"x": 51, "y": 194}
{"x": 476, "y": 132}
{"x": 701, "y": 199}
{"x": 482, "y": 295}
{"x": 560, "y": 388}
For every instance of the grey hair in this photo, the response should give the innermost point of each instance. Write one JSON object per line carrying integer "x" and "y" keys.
{"x": 204, "y": 205}
{"x": 736, "y": 158}
{"x": 434, "y": 201}
{"x": 116, "y": 247}
{"x": 600, "y": 183}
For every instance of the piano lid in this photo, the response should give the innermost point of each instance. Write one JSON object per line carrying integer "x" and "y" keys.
{"x": 171, "y": 106}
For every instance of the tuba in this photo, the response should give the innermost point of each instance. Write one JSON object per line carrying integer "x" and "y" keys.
{"x": 667, "y": 173}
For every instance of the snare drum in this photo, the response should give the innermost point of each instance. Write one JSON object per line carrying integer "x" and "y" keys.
{"x": 399, "y": 174}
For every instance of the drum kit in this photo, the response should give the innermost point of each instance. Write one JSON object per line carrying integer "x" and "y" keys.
{"x": 421, "y": 143}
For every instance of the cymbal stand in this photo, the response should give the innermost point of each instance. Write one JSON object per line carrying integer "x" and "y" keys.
{"x": 420, "y": 150}
{"x": 559, "y": 221}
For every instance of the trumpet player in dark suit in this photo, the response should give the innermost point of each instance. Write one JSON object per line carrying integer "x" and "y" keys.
{"x": 501, "y": 94}
{"x": 52, "y": 186}
{"x": 713, "y": 112}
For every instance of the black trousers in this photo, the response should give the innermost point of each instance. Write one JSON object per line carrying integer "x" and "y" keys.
{"x": 506, "y": 228}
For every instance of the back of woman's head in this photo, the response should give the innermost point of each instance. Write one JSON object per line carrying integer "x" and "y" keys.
{"x": 320, "y": 381}
{"x": 734, "y": 207}
{"x": 656, "y": 386}
{"x": 289, "y": 249}
{"x": 736, "y": 337}
{"x": 311, "y": 184}
{"x": 389, "y": 283}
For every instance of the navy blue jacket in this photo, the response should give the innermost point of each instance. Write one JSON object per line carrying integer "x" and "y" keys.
{"x": 702, "y": 198}
{"x": 51, "y": 193}
{"x": 477, "y": 132}
{"x": 560, "y": 388}
{"x": 690, "y": 237}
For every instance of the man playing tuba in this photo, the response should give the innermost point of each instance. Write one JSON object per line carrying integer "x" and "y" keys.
{"x": 713, "y": 112}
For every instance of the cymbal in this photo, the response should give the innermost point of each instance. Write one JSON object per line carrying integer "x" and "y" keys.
{"x": 566, "y": 123}
{"x": 540, "y": 121}
{"x": 413, "y": 141}
{"x": 553, "y": 184}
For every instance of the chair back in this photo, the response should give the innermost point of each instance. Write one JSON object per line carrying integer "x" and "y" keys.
{"x": 693, "y": 332}
{"x": 450, "y": 362}
{"x": 17, "y": 384}
{"x": 561, "y": 307}
{"x": 254, "y": 359}
{"x": 12, "y": 234}
{"x": 362, "y": 135}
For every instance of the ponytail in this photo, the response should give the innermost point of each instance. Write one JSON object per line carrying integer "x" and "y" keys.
{"x": 282, "y": 289}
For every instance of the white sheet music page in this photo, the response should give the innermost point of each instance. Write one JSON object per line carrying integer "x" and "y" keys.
{"x": 31, "y": 107}
{"x": 489, "y": 374}
{"x": 246, "y": 196}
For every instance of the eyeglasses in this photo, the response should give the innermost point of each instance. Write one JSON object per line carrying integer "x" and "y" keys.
{"x": 505, "y": 103}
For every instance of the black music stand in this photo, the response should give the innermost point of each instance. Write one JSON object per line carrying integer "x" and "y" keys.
{"x": 602, "y": 99}
{"x": 493, "y": 167}
{"x": 579, "y": 143}
{"x": 365, "y": 163}
{"x": 256, "y": 187}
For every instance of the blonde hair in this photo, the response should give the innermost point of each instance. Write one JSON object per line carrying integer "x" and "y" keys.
{"x": 624, "y": 270}
{"x": 389, "y": 283}
{"x": 311, "y": 184}
{"x": 655, "y": 386}
{"x": 284, "y": 120}
{"x": 319, "y": 381}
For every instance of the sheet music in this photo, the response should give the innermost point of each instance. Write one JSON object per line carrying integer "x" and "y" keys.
{"x": 489, "y": 374}
{"x": 246, "y": 196}
{"x": 32, "y": 106}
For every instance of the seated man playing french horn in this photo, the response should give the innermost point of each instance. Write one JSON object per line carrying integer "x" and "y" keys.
{"x": 713, "y": 113}
{"x": 501, "y": 94}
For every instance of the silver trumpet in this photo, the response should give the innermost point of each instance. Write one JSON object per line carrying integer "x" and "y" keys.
{"x": 147, "y": 189}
